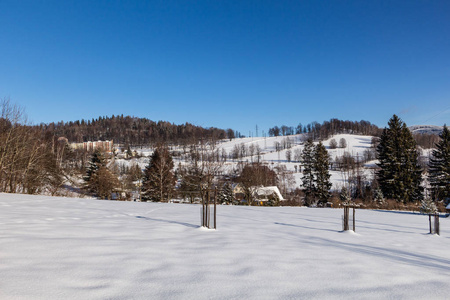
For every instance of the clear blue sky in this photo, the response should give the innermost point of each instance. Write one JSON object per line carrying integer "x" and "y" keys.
{"x": 228, "y": 64}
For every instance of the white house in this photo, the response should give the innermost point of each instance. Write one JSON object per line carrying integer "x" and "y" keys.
{"x": 265, "y": 193}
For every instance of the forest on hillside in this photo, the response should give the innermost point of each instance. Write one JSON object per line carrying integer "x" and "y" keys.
{"x": 133, "y": 131}
{"x": 317, "y": 131}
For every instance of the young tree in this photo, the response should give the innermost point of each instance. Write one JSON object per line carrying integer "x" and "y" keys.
{"x": 286, "y": 179}
{"x": 297, "y": 154}
{"x": 427, "y": 206}
{"x": 344, "y": 195}
{"x": 288, "y": 155}
{"x": 191, "y": 179}
{"x": 379, "y": 197}
{"x": 333, "y": 144}
{"x": 321, "y": 173}
{"x": 159, "y": 180}
{"x": 400, "y": 174}
{"x": 342, "y": 143}
{"x": 251, "y": 151}
{"x": 308, "y": 172}
{"x": 199, "y": 177}
{"x": 258, "y": 153}
{"x": 439, "y": 167}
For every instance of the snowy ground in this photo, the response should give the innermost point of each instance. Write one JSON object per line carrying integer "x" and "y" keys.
{"x": 63, "y": 248}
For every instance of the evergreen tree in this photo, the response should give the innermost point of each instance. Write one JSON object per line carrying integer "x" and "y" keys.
{"x": 226, "y": 194}
{"x": 400, "y": 174}
{"x": 159, "y": 180}
{"x": 321, "y": 173}
{"x": 440, "y": 167}
{"x": 308, "y": 175}
{"x": 344, "y": 195}
{"x": 97, "y": 160}
{"x": 105, "y": 182}
{"x": 99, "y": 180}
{"x": 427, "y": 206}
{"x": 378, "y": 197}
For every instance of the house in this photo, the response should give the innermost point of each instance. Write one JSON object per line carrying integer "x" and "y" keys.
{"x": 263, "y": 195}
{"x": 238, "y": 192}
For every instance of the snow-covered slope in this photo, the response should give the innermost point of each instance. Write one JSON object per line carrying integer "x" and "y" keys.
{"x": 428, "y": 129}
{"x": 357, "y": 145}
{"x": 62, "y": 248}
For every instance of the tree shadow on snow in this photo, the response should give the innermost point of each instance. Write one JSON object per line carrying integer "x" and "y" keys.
{"x": 420, "y": 260}
{"x": 168, "y": 221}
{"x": 305, "y": 227}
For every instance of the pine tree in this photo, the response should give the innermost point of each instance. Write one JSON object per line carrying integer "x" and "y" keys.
{"x": 159, "y": 180}
{"x": 427, "y": 206}
{"x": 308, "y": 175}
{"x": 321, "y": 173}
{"x": 378, "y": 197}
{"x": 400, "y": 174}
{"x": 440, "y": 168}
{"x": 226, "y": 194}
{"x": 96, "y": 162}
{"x": 105, "y": 182}
{"x": 344, "y": 195}
{"x": 99, "y": 180}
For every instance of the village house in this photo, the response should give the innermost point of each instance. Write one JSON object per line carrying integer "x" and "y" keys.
{"x": 263, "y": 195}
{"x": 238, "y": 192}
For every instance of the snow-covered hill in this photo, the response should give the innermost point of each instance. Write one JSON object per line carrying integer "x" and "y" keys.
{"x": 62, "y": 248}
{"x": 357, "y": 146}
{"x": 427, "y": 129}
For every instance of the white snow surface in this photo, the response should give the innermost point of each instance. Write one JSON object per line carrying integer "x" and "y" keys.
{"x": 67, "y": 248}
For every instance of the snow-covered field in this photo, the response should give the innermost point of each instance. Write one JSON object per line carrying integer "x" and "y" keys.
{"x": 63, "y": 248}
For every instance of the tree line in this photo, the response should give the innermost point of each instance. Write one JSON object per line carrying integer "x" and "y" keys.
{"x": 318, "y": 131}
{"x": 133, "y": 131}
{"x": 30, "y": 160}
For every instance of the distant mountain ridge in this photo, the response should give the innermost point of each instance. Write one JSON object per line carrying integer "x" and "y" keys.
{"x": 426, "y": 129}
